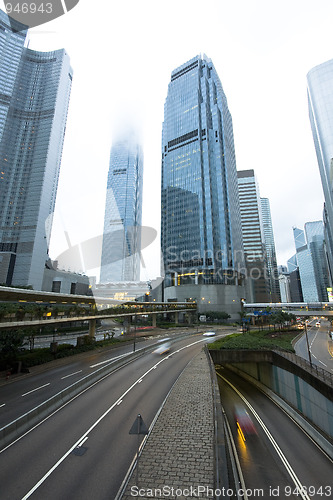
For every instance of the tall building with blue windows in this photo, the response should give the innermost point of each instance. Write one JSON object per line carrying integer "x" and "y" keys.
{"x": 33, "y": 116}
{"x": 320, "y": 101}
{"x": 123, "y": 213}
{"x": 201, "y": 240}
{"x": 311, "y": 261}
{"x": 272, "y": 268}
{"x": 12, "y": 42}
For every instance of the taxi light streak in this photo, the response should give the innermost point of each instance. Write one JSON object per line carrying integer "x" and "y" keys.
{"x": 241, "y": 432}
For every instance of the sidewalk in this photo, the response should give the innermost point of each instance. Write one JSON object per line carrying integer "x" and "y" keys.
{"x": 179, "y": 453}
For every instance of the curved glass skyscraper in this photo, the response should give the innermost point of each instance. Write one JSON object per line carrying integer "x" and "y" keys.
{"x": 123, "y": 213}
{"x": 33, "y": 114}
{"x": 200, "y": 222}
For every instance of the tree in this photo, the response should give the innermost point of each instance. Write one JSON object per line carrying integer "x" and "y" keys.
{"x": 10, "y": 342}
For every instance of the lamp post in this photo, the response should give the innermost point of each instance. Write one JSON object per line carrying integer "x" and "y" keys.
{"x": 307, "y": 342}
{"x": 134, "y": 332}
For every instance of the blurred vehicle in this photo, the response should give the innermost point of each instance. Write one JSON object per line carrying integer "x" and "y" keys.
{"x": 163, "y": 348}
{"x": 209, "y": 334}
{"x": 243, "y": 421}
{"x": 318, "y": 323}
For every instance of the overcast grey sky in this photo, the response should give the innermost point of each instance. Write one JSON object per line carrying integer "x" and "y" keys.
{"x": 123, "y": 52}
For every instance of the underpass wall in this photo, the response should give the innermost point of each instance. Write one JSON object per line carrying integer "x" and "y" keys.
{"x": 311, "y": 398}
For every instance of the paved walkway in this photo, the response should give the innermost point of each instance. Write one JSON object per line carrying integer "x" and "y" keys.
{"x": 179, "y": 454}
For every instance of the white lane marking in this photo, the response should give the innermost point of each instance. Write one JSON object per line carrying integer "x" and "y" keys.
{"x": 110, "y": 359}
{"x": 56, "y": 465}
{"x": 37, "y": 389}
{"x": 119, "y": 402}
{"x": 64, "y": 6}
{"x": 75, "y": 373}
{"x": 4, "y": 404}
{"x": 82, "y": 442}
{"x": 278, "y": 450}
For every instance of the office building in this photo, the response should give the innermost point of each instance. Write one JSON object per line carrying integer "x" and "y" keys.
{"x": 269, "y": 244}
{"x": 311, "y": 261}
{"x": 12, "y": 42}
{"x": 296, "y": 294}
{"x": 34, "y": 113}
{"x": 320, "y": 101}
{"x": 123, "y": 213}
{"x": 253, "y": 235}
{"x": 201, "y": 238}
{"x": 284, "y": 283}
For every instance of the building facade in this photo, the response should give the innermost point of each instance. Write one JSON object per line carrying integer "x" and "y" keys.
{"x": 320, "y": 101}
{"x": 253, "y": 235}
{"x": 123, "y": 213}
{"x": 201, "y": 236}
{"x": 33, "y": 131}
{"x": 311, "y": 261}
{"x": 272, "y": 268}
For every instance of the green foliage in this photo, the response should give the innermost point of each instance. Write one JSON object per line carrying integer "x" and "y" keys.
{"x": 256, "y": 339}
{"x": 10, "y": 343}
{"x": 215, "y": 315}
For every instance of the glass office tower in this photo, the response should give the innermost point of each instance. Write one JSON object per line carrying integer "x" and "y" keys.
{"x": 311, "y": 262}
{"x": 12, "y": 42}
{"x": 273, "y": 274}
{"x": 30, "y": 154}
{"x": 123, "y": 213}
{"x": 320, "y": 99}
{"x": 200, "y": 218}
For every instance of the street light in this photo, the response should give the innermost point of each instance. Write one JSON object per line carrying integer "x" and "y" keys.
{"x": 307, "y": 342}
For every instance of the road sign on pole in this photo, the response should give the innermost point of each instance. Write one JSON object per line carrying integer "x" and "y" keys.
{"x": 139, "y": 428}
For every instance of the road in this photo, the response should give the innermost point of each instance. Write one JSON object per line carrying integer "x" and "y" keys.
{"x": 18, "y": 398}
{"x": 84, "y": 450}
{"x": 320, "y": 344}
{"x": 279, "y": 456}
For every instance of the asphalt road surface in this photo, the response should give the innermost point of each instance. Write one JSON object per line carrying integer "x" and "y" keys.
{"x": 84, "y": 450}
{"x": 320, "y": 344}
{"x": 279, "y": 459}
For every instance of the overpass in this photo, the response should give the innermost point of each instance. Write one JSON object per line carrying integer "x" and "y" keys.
{"x": 297, "y": 308}
{"x": 44, "y": 308}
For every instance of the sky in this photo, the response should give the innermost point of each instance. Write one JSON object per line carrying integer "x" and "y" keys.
{"x": 122, "y": 54}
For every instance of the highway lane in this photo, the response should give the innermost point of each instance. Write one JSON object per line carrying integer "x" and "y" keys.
{"x": 280, "y": 456}
{"x": 103, "y": 414}
{"x": 321, "y": 346}
{"x": 24, "y": 394}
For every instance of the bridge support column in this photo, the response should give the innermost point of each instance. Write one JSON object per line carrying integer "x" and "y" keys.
{"x": 176, "y": 318}
{"x": 153, "y": 322}
{"x": 128, "y": 326}
{"x": 92, "y": 328}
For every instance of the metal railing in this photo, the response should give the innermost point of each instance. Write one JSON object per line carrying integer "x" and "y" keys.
{"x": 315, "y": 370}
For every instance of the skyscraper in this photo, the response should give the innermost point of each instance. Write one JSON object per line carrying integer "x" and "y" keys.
{"x": 123, "y": 213}
{"x": 253, "y": 235}
{"x": 12, "y": 41}
{"x": 320, "y": 100}
{"x": 310, "y": 261}
{"x": 272, "y": 268}
{"x": 200, "y": 221}
{"x": 32, "y": 132}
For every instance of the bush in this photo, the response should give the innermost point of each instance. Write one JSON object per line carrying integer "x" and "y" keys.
{"x": 256, "y": 339}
